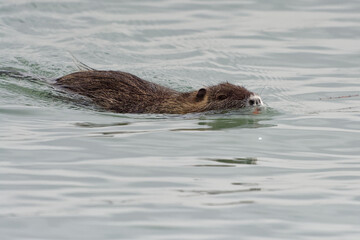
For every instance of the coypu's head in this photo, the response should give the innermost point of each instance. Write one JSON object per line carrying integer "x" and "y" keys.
{"x": 227, "y": 96}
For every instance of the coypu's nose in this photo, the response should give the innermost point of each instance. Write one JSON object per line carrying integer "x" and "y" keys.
{"x": 254, "y": 100}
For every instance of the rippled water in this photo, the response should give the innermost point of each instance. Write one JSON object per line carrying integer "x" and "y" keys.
{"x": 69, "y": 171}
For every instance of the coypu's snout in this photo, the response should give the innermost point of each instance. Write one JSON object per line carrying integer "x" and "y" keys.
{"x": 254, "y": 100}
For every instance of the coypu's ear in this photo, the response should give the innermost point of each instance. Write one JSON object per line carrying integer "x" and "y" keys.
{"x": 200, "y": 94}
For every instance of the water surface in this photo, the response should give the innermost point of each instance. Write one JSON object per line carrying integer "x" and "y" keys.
{"x": 70, "y": 171}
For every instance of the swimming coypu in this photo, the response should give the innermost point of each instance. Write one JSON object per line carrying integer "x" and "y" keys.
{"x": 125, "y": 93}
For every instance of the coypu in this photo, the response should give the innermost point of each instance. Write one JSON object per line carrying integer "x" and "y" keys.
{"x": 125, "y": 93}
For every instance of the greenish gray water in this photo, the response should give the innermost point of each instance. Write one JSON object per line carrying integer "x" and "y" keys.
{"x": 69, "y": 171}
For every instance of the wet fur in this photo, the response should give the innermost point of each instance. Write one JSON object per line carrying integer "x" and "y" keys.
{"x": 126, "y": 93}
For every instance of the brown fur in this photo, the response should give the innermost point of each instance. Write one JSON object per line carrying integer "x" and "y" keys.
{"x": 125, "y": 93}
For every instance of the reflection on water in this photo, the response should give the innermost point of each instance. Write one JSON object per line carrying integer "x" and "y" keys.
{"x": 220, "y": 192}
{"x": 229, "y": 162}
{"x": 251, "y": 161}
{"x": 247, "y": 122}
{"x": 208, "y": 122}
{"x": 100, "y": 125}
{"x": 112, "y": 134}
{"x": 215, "y": 124}
{"x": 232, "y": 121}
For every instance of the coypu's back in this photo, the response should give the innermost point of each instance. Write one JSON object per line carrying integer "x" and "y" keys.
{"x": 116, "y": 91}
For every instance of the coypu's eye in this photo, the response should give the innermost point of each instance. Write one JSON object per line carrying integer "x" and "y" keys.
{"x": 251, "y": 102}
{"x": 221, "y": 97}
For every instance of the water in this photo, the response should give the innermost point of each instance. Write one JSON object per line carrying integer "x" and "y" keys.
{"x": 69, "y": 171}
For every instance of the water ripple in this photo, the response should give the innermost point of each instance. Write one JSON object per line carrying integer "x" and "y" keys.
{"x": 71, "y": 171}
